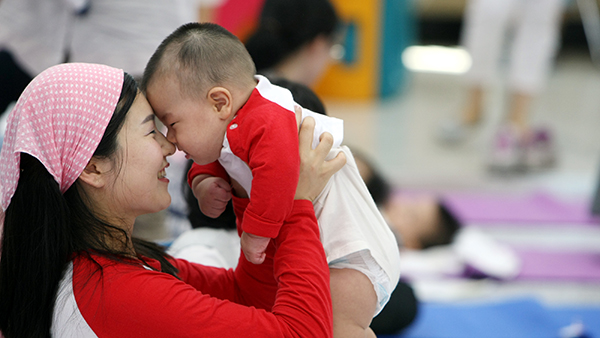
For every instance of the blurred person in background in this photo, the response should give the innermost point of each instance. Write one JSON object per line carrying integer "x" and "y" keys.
{"x": 36, "y": 34}
{"x": 293, "y": 39}
{"x": 32, "y": 38}
{"x": 532, "y": 30}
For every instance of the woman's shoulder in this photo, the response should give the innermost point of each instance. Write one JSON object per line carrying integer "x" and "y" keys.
{"x": 119, "y": 298}
{"x": 92, "y": 269}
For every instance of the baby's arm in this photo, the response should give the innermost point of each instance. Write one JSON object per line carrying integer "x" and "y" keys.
{"x": 212, "y": 193}
{"x": 254, "y": 247}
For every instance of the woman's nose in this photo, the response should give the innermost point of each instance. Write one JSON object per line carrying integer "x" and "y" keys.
{"x": 168, "y": 146}
{"x": 171, "y": 137}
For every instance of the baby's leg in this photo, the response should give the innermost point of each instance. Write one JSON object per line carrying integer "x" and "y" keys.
{"x": 354, "y": 303}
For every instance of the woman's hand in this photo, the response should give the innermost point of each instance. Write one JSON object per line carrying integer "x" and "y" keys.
{"x": 315, "y": 172}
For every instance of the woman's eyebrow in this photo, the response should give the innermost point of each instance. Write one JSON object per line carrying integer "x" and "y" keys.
{"x": 148, "y": 118}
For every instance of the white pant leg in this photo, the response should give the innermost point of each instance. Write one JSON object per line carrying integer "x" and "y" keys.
{"x": 536, "y": 40}
{"x": 486, "y": 23}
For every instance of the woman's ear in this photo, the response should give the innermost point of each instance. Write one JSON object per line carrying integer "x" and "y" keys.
{"x": 221, "y": 100}
{"x": 94, "y": 173}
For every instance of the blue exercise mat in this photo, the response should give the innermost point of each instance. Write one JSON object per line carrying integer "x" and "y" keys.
{"x": 516, "y": 318}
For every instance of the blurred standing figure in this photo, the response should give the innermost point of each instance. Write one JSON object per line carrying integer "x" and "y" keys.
{"x": 37, "y": 34}
{"x": 124, "y": 34}
{"x": 33, "y": 37}
{"x": 533, "y": 30}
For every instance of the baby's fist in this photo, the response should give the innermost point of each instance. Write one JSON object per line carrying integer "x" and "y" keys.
{"x": 213, "y": 194}
{"x": 254, "y": 247}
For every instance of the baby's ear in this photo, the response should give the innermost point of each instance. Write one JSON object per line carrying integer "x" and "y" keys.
{"x": 221, "y": 100}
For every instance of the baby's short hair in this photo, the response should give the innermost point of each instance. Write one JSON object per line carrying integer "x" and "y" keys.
{"x": 201, "y": 56}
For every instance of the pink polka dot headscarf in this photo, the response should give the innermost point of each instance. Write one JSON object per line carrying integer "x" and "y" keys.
{"x": 59, "y": 119}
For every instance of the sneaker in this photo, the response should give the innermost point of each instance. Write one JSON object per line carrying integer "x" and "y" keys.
{"x": 539, "y": 150}
{"x": 452, "y": 132}
{"x": 507, "y": 154}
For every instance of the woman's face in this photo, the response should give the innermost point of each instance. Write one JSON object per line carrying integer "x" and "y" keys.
{"x": 321, "y": 58}
{"x": 139, "y": 184}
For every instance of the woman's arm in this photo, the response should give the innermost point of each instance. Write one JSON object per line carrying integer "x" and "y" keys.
{"x": 145, "y": 303}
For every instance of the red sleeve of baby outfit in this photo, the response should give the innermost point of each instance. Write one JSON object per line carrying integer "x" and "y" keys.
{"x": 266, "y": 138}
{"x": 212, "y": 169}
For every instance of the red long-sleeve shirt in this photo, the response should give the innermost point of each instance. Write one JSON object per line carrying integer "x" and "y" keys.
{"x": 130, "y": 300}
{"x": 260, "y": 152}
{"x": 262, "y": 142}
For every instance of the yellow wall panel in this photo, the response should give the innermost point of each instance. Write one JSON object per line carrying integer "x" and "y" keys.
{"x": 360, "y": 78}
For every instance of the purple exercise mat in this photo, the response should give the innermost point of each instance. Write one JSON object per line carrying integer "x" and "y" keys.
{"x": 558, "y": 265}
{"x": 532, "y": 208}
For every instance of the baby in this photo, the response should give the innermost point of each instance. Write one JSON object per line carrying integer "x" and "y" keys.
{"x": 241, "y": 132}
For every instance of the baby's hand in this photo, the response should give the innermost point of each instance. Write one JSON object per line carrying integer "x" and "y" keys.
{"x": 254, "y": 247}
{"x": 212, "y": 193}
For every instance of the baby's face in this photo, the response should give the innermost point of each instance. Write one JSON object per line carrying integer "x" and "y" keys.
{"x": 192, "y": 123}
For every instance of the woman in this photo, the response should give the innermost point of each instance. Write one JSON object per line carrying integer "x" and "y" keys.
{"x": 82, "y": 159}
{"x": 294, "y": 38}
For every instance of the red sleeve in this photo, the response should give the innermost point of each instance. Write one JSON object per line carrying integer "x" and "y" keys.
{"x": 254, "y": 284}
{"x": 267, "y": 140}
{"x": 145, "y": 303}
{"x": 212, "y": 169}
{"x": 262, "y": 285}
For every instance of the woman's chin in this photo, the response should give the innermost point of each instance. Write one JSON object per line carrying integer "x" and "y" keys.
{"x": 163, "y": 203}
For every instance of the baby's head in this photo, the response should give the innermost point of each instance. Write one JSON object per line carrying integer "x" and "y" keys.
{"x": 195, "y": 81}
{"x": 422, "y": 221}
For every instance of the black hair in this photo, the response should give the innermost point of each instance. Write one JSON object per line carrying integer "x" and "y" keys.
{"x": 287, "y": 25}
{"x": 379, "y": 188}
{"x": 302, "y": 94}
{"x": 446, "y": 230}
{"x": 44, "y": 230}
{"x": 201, "y": 55}
{"x": 377, "y": 185}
